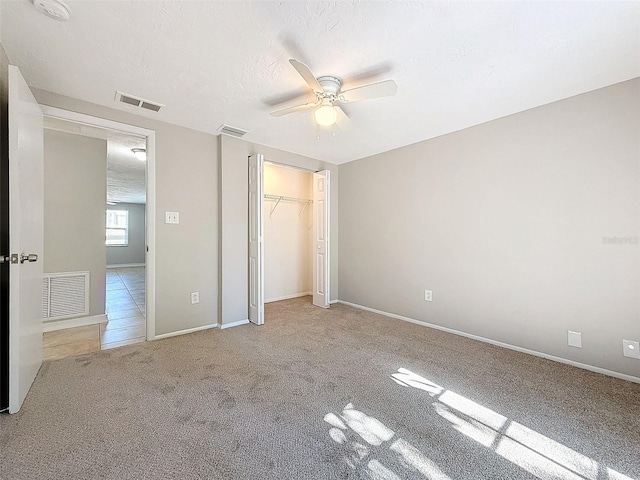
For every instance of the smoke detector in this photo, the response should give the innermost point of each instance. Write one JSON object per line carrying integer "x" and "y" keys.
{"x": 55, "y": 9}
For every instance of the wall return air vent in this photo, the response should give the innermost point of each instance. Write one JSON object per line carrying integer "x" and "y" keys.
{"x": 233, "y": 131}
{"x": 137, "y": 101}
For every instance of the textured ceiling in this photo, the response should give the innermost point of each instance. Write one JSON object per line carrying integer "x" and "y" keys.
{"x": 125, "y": 172}
{"x": 456, "y": 64}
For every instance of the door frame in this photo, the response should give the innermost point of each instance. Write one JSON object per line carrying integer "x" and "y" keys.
{"x": 150, "y": 206}
{"x": 296, "y": 167}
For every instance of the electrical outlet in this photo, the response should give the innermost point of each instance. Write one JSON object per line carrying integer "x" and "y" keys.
{"x": 195, "y": 298}
{"x": 428, "y": 295}
{"x": 172, "y": 217}
{"x": 631, "y": 349}
{"x": 574, "y": 339}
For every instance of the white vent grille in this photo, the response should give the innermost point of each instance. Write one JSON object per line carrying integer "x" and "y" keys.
{"x": 138, "y": 101}
{"x": 65, "y": 295}
{"x": 233, "y": 131}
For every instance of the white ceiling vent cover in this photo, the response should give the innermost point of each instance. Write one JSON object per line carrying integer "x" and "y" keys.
{"x": 233, "y": 131}
{"x": 138, "y": 101}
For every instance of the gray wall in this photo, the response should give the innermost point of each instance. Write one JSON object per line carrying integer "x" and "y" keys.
{"x": 505, "y": 223}
{"x": 134, "y": 252}
{"x": 234, "y": 220}
{"x": 75, "y": 191}
{"x": 186, "y": 254}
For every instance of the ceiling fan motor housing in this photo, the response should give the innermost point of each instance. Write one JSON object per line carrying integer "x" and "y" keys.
{"x": 331, "y": 86}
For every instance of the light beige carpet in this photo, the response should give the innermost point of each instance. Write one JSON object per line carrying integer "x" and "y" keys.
{"x": 314, "y": 393}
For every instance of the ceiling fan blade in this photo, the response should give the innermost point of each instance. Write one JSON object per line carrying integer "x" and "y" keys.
{"x": 297, "y": 108}
{"x": 342, "y": 121}
{"x": 305, "y": 73}
{"x": 301, "y": 94}
{"x": 373, "y": 90}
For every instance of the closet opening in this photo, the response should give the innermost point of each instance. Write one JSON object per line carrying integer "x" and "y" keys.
{"x": 287, "y": 210}
{"x": 288, "y": 235}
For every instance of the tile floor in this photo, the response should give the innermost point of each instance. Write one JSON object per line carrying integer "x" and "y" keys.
{"x": 126, "y": 311}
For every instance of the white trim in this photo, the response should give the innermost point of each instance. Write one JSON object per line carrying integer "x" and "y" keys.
{"x": 150, "y": 220}
{"x": 126, "y": 265}
{"x": 150, "y": 206}
{"x": 611, "y": 373}
{"x": 234, "y": 324}
{"x": 74, "y": 322}
{"x": 332, "y": 302}
{"x": 184, "y": 332}
{"x": 295, "y": 167}
{"x": 93, "y": 121}
{"x": 288, "y": 297}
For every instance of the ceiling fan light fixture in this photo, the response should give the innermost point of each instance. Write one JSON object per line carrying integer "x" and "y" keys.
{"x": 326, "y": 115}
{"x": 140, "y": 153}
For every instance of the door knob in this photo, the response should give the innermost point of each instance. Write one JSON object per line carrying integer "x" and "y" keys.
{"x": 13, "y": 258}
{"x": 32, "y": 257}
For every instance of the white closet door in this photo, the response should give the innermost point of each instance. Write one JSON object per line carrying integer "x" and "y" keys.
{"x": 26, "y": 219}
{"x": 321, "y": 239}
{"x": 256, "y": 241}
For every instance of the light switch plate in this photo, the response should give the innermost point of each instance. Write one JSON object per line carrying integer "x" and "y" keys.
{"x": 574, "y": 339}
{"x": 172, "y": 217}
{"x": 195, "y": 298}
{"x": 428, "y": 295}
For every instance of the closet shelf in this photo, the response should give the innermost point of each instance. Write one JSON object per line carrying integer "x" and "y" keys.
{"x": 281, "y": 198}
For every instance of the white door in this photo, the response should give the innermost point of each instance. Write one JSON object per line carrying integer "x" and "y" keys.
{"x": 26, "y": 185}
{"x": 256, "y": 241}
{"x": 321, "y": 239}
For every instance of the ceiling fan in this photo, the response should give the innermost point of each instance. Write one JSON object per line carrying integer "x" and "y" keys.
{"x": 329, "y": 94}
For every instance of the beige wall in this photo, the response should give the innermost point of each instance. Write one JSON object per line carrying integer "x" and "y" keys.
{"x": 287, "y": 233}
{"x": 75, "y": 192}
{"x": 234, "y": 221}
{"x": 506, "y": 223}
{"x": 134, "y": 252}
{"x": 186, "y": 178}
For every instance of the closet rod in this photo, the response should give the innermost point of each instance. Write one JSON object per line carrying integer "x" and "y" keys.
{"x": 279, "y": 198}
{"x": 288, "y": 199}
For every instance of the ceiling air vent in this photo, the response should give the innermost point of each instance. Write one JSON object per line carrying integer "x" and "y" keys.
{"x": 137, "y": 101}
{"x": 233, "y": 131}
{"x": 151, "y": 106}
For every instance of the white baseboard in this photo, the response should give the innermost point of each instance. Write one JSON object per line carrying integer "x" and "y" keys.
{"x": 611, "y": 373}
{"x": 331, "y": 302}
{"x": 288, "y": 297}
{"x": 126, "y": 265}
{"x": 184, "y": 332}
{"x": 54, "y": 325}
{"x": 234, "y": 324}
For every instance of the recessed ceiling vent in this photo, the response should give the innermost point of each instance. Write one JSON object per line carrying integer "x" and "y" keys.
{"x": 233, "y": 131}
{"x": 138, "y": 102}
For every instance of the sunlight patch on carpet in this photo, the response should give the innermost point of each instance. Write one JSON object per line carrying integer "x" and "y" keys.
{"x": 530, "y": 450}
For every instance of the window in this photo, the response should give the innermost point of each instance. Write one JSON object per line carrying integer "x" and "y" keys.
{"x": 117, "y": 227}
